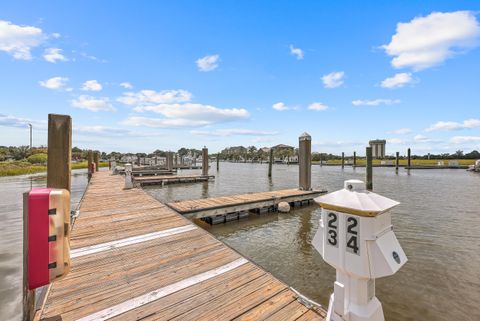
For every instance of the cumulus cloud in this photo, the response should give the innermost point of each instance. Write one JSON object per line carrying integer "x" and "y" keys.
{"x": 421, "y": 138}
{"x": 177, "y": 109}
{"x": 19, "y": 122}
{"x": 55, "y": 83}
{"x": 428, "y": 41}
{"x": 297, "y": 52}
{"x": 18, "y": 41}
{"x": 53, "y": 55}
{"x": 375, "y": 102}
{"x": 333, "y": 79}
{"x": 233, "y": 132}
{"x": 464, "y": 139}
{"x": 148, "y": 97}
{"x": 280, "y": 106}
{"x": 317, "y": 106}
{"x": 398, "y": 80}
{"x": 91, "y": 85}
{"x": 451, "y": 125}
{"x": 208, "y": 63}
{"x": 401, "y": 131}
{"x": 126, "y": 85}
{"x": 92, "y": 103}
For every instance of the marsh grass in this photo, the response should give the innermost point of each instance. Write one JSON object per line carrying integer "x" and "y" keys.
{"x": 12, "y": 168}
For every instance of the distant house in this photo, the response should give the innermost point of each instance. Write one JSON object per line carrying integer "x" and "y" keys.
{"x": 283, "y": 147}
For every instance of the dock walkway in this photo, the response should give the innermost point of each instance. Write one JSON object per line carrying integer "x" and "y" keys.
{"x": 236, "y": 203}
{"x": 135, "y": 258}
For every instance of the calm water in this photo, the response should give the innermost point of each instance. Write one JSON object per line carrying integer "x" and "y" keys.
{"x": 437, "y": 225}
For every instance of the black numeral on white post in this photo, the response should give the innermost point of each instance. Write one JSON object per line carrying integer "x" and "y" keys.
{"x": 332, "y": 229}
{"x": 352, "y": 235}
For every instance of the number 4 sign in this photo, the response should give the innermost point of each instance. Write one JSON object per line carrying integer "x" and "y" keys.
{"x": 353, "y": 234}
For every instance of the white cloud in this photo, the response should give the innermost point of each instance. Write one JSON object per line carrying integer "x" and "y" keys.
{"x": 297, "y": 52}
{"x": 398, "y": 80}
{"x": 208, "y": 63}
{"x": 464, "y": 139}
{"x": 428, "y": 41}
{"x": 317, "y": 106}
{"x": 53, "y": 55}
{"x": 91, "y": 85}
{"x": 421, "y": 138}
{"x": 19, "y": 122}
{"x": 333, "y": 79}
{"x": 375, "y": 102}
{"x": 401, "y": 131}
{"x": 54, "y": 83}
{"x": 92, "y": 103}
{"x": 164, "y": 122}
{"x": 18, "y": 41}
{"x": 280, "y": 106}
{"x": 397, "y": 141}
{"x": 233, "y": 132}
{"x": 126, "y": 85}
{"x": 148, "y": 97}
{"x": 204, "y": 114}
{"x": 451, "y": 125}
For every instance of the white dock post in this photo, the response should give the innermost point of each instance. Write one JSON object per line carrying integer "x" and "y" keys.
{"x": 356, "y": 237}
{"x": 305, "y": 162}
{"x": 128, "y": 176}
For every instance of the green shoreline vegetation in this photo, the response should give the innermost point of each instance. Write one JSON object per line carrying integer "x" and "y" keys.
{"x": 13, "y": 168}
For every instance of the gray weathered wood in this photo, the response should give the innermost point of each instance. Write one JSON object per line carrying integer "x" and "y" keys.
{"x": 270, "y": 162}
{"x": 59, "y": 151}
{"x": 409, "y": 162}
{"x": 305, "y": 161}
{"x": 368, "y": 171}
{"x": 205, "y": 161}
{"x": 343, "y": 159}
{"x": 95, "y": 159}
{"x": 396, "y": 160}
{"x": 354, "y": 158}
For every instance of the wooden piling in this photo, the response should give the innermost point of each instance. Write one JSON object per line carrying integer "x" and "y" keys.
{"x": 169, "y": 159}
{"x": 95, "y": 159}
{"x": 59, "y": 151}
{"x": 368, "y": 171}
{"x": 396, "y": 160}
{"x": 305, "y": 161}
{"x": 218, "y": 162}
{"x": 343, "y": 160}
{"x": 89, "y": 164}
{"x": 409, "y": 162}
{"x": 204, "y": 161}
{"x": 354, "y": 159}
{"x": 270, "y": 162}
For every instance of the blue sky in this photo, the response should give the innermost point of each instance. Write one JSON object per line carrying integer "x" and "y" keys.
{"x": 139, "y": 76}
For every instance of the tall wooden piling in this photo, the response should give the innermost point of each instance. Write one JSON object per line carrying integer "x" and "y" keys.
{"x": 205, "y": 161}
{"x": 343, "y": 160}
{"x": 89, "y": 164}
{"x": 270, "y": 162}
{"x": 396, "y": 160}
{"x": 409, "y": 162}
{"x": 354, "y": 159}
{"x": 368, "y": 171}
{"x": 305, "y": 161}
{"x": 218, "y": 162}
{"x": 169, "y": 161}
{"x": 59, "y": 151}
{"x": 95, "y": 160}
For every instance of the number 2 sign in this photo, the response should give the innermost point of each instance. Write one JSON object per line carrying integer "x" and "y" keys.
{"x": 352, "y": 235}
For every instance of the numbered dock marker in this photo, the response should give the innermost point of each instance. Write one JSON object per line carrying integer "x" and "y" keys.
{"x": 352, "y": 237}
{"x": 332, "y": 234}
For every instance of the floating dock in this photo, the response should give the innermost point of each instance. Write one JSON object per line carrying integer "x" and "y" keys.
{"x": 149, "y": 172}
{"x": 223, "y": 205}
{"x": 135, "y": 258}
{"x": 170, "y": 179}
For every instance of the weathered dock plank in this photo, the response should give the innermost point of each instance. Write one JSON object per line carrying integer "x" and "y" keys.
{"x": 229, "y": 204}
{"x": 170, "y": 179}
{"x": 135, "y": 258}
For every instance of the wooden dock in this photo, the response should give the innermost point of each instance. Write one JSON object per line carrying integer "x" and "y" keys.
{"x": 229, "y": 204}
{"x": 170, "y": 179}
{"x": 135, "y": 258}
